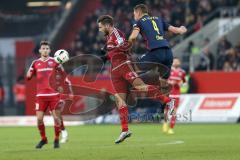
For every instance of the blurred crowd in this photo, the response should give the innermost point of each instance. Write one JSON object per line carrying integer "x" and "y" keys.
{"x": 191, "y": 13}
{"x": 227, "y": 57}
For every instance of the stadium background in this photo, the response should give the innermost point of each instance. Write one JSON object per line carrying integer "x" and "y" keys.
{"x": 210, "y": 54}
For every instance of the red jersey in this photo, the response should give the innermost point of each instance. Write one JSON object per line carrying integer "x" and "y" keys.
{"x": 43, "y": 71}
{"x": 177, "y": 76}
{"x": 113, "y": 41}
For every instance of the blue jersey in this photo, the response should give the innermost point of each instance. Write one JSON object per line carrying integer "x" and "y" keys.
{"x": 152, "y": 30}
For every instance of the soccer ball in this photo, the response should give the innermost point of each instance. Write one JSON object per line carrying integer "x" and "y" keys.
{"x": 61, "y": 56}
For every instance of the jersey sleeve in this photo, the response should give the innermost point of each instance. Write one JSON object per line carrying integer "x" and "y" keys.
{"x": 183, "y": 77}
{"x": 137, "y": 25}
{"x": 165, "y": 25}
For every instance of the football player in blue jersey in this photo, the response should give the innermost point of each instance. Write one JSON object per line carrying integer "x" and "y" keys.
{"x": 152, "y": 29}
{"x": 159, "y": 55}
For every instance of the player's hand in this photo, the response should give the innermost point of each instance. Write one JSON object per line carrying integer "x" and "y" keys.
{"x": 182, "y": 30}
{"x": 29, "y": 76}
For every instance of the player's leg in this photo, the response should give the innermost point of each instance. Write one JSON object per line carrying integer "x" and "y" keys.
{"x": 165, "y": 120}
{"x": 120, "y": 91}
{"x": 152, "y": 91}
{"x": 41, "y": 106}
{"x": 56, "y": 113}
{"x": 173, "y": 117}
{"x": 64, "y": 133}
{"x": 123, "y": 115}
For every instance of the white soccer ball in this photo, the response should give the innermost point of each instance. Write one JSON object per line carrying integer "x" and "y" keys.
{"x": 61, "y": 56}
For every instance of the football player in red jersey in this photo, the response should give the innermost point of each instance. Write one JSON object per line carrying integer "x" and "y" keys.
{"x": 177, "y": 77}
{"x": 46, "y": 96}
{"x": 122, "y": 72}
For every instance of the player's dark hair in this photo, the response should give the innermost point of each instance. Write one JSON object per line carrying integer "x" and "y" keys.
{"x": 44, "y": 43}
{"x": 142, "y": 7}
{"x": 105, "y": 19}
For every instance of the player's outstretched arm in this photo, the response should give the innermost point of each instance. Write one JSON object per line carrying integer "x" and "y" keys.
{"x": 177, "y": 30}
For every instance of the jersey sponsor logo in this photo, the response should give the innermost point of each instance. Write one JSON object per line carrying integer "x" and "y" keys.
{"x": 44, "y": 69}
{"x": 212, "y": 103}
{"x": 50, "y": 63}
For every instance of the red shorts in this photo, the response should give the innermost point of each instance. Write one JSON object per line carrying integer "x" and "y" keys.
{"x": 122, "y": 75}
{"x": 45, "y": 102}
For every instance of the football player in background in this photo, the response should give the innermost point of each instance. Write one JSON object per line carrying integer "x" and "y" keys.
{"x": 176, "y": 79}
{"x": 46, "y": 97}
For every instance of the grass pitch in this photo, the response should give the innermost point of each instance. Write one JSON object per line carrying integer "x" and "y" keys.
{"x": 92, "y": 142}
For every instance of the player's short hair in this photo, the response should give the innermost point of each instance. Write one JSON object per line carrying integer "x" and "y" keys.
{"x": 44, "y": 43}
{"x": 177, "y": 58}
{"x": 105, "y": 19}
{"x": 142, "y": 7}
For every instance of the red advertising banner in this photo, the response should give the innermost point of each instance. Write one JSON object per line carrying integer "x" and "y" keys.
{"x": 215, "y": 82}
{"x": 212, "y": 103}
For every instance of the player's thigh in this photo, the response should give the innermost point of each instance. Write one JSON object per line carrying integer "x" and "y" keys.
{"x": 119, "y": 84}
{"x": 120, "y": 99}
{"x": 165, "y": 58}
{"x": 146, "y": 62}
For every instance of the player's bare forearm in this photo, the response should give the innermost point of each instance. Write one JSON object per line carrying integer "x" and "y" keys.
{"x": 177, "y": 30}
{"x": 133, "y": 35}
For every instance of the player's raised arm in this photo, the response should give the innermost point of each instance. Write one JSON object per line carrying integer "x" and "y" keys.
{"x": 177, "y": 30}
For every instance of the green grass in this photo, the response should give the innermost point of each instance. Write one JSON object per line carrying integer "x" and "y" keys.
{"x": 90, "y": 142}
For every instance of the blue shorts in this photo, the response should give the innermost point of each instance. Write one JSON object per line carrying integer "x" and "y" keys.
{"x": 162, "y": 57}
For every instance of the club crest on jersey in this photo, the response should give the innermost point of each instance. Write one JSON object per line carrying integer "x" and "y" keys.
{"x": 50, "y": 63}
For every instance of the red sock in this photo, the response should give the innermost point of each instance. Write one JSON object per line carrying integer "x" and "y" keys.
{"x": 41, "y": 129}
{"x": 172, "y": 122}
{"x": 57, "y": 130}
{"x": 62, "y": 125}
{"x": 123, "y": 114}
{"x": 154, "y": 93}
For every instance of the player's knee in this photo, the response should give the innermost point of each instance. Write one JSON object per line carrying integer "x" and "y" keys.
{"x": 120, "y": 102}
{"x": 40, "y": 120}
{"x": 57, "y": 121}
